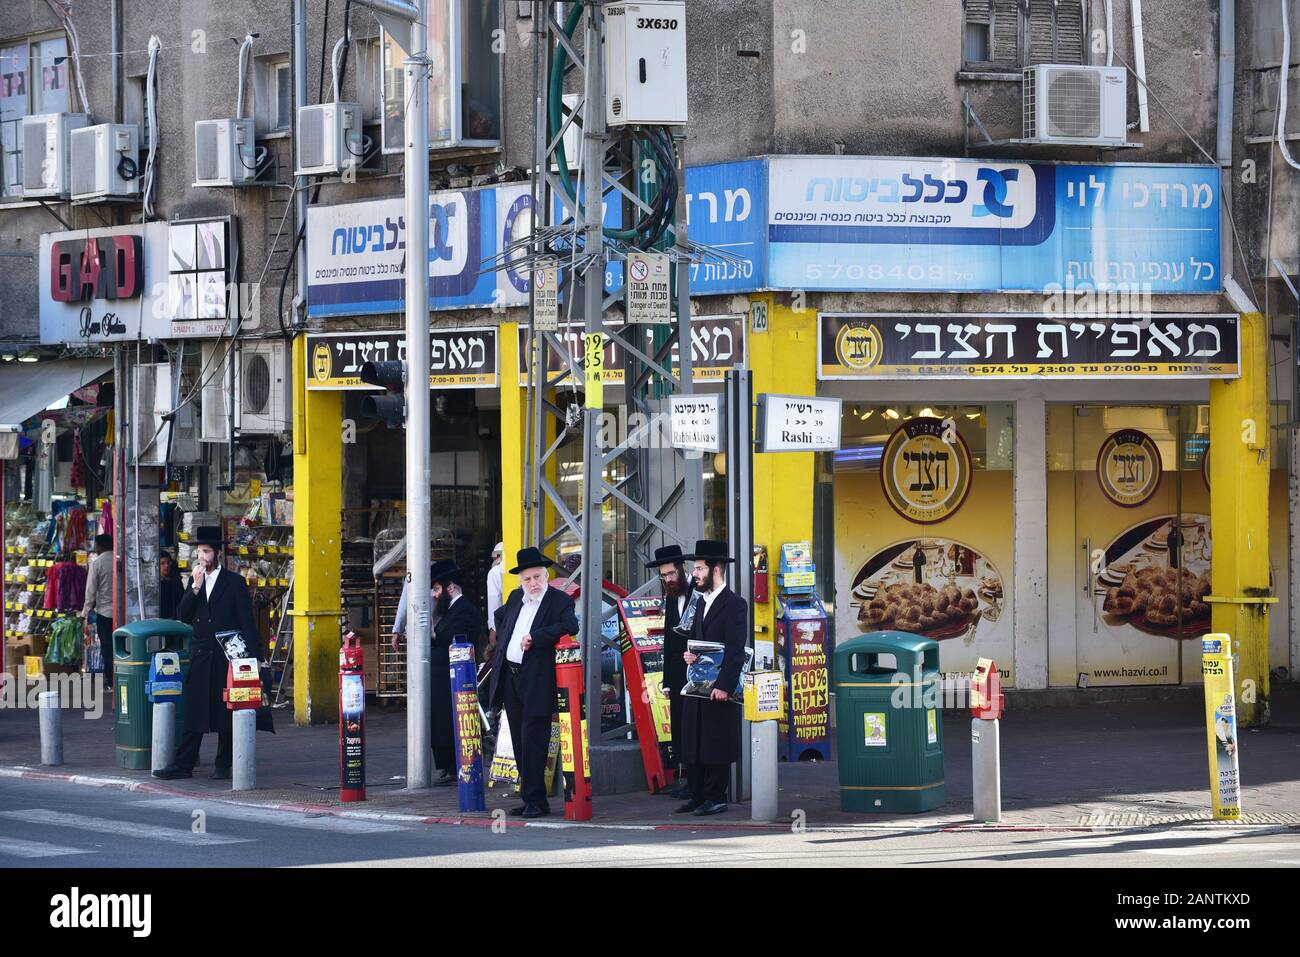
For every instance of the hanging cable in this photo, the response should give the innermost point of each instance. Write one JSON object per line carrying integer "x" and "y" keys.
{"x": 151, "y": 117}
{"x": 1110, "y": 33}
{"x": 245, "y": 49}
{"x": 1283, "y": 74}
{"x": 340, "y": 49}
{"x": 63, "y": 10}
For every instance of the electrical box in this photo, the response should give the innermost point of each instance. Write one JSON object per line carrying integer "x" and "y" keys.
{"x": 47, "y": 141}
{"x": 1075, "y": 105}
{"x": 329, "y": 139}
{"x": 645, "y": 63}
{"x": 225, "y": 152}
{"x": 105, "y": 162}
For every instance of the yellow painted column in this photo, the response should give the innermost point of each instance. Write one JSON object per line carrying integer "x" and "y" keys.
{"x": 783, "y": 360}
{"x": 1239, "y": 475}
{"x": 514, "y": 413}
{"x": 317, "y": 544}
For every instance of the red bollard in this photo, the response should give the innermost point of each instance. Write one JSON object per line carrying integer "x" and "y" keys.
{"x": 352, "y": 720}
{"x": 575, "y": 760}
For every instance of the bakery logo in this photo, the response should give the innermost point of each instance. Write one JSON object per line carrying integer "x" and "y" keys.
{"x": 1128, "y": 468}
{"x": 858, "y": 347}
{"x": 925, "y": 479}
{"x": 322, "y": 364}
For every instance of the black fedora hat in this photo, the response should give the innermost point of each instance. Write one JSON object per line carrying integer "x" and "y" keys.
{"x": 709, "y": 550}
{"x": 530, "y": 557}
{"x": 210, "y": 535}
{"x": 667, "y": 555}
{"x": 444, "y": 569}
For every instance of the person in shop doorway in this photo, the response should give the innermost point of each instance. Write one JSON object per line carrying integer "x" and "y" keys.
{"x": 399, "y": 618}
{"x": 170, "y": 587}
{"x": 98, "y": 606}
{"x": 711, "y": 726}
{"x": 216, "y": 601}
{"x": 676, "y": 585}
{"x": 530, "y": 624}
{"x": 495, "y": 595}
{"x": 457, "y": 620}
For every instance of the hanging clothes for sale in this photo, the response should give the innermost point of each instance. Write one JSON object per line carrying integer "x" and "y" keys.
{"x": 65, "y": 587}
{"x": 106, "y": 518}
{"x": 65, "y": 642}
{"x": 77, "y": 474}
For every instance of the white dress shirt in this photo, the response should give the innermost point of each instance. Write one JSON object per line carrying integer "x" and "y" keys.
{"x": 209, "y": 580}
{"x": 708, "y": 600}
{"x": 495, "y": 584}
{"x": 523, "y": 625}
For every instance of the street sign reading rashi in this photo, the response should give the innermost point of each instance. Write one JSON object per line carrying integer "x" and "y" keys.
{"x": 697, "y": 423}
{"x": 798, "y": 423}
{"x": 648, "y": 296}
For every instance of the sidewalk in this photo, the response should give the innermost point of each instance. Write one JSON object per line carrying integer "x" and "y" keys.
{"x": 1107, "y": 764}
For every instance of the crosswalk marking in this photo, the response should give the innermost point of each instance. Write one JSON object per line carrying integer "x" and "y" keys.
{"x": 259, "y": 815}
{"x": 105, "y": 825}
{"x": 1244, "y": 848}
{"x": 13, "y": 847}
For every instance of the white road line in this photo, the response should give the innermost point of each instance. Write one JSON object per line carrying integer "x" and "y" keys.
{"x": 105, "y": 826}
{"x": 1243, "y": 848}
{"x": 13, "y": 847}
{"x": 262, "y": 815}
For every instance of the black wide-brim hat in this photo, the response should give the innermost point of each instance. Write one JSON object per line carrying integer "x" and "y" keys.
{"x": 445, "y": 569}
{"x": 667, "y": 555}
{"x": 210, "y": 535}
{"x": 708, "y": 550}
{"x": 530, "y": 557}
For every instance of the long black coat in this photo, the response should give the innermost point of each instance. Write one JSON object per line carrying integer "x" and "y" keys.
{"x": 674, "y": 645}
{"x": 463, "y": 618}
{"x": 555, "y": 619}
{"x": 230, "y": 609}
{"x": 711, "y": 729}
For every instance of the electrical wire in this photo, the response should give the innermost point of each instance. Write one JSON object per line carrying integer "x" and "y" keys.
{"x": 339, "y": 48}
{"x": 63, "y": 10}
{"x": 151, "y": 115}
{"x": 1284, "y": 70}
{"x": 245, "y": 49}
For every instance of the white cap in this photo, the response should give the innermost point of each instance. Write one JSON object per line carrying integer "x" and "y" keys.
{"x": 500, "y": 549}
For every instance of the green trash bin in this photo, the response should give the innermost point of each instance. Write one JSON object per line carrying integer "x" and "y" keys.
{"x": 134, "y": 646}
{"x": 890, "y": 743}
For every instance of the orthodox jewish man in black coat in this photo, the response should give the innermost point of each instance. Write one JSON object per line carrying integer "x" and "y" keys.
{"x": 529, "y": 625}
{"x": 676, "y": 585}
{"x": 216, "y": 601}
{"x": 711, "y": 725}
{"x": 456, "y": 619}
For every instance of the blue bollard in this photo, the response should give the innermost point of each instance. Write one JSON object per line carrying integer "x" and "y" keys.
{"x": 469, "y": 729}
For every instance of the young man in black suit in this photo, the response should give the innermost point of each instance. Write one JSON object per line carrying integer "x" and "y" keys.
{"x": 676, "y": 586}
{"x": 457, "y": 619}
{"x": 711, "y": 726}
{"x": 533, "y": 619}
{"x": 216, "y": 601}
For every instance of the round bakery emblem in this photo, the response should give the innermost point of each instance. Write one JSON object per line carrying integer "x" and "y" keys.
{"x": 926, "y": 470}
{"x": 320, "y": 362}
{"x": 858, "y": 347}
{"x": 1128, "y": 467}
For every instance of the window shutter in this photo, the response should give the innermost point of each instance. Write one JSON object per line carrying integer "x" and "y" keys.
{"x": 1054, "y": 33}
{"x": 1006, "y": 32}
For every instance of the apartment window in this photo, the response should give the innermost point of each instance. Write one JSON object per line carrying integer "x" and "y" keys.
{"x": 34, "y": 77}
{"x": 272, "y": 94}
{"x": 1004, "y": 36}
{"x": 369, "y": 57}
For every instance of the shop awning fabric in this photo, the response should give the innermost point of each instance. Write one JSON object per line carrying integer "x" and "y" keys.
{"x": 27, "y": 388}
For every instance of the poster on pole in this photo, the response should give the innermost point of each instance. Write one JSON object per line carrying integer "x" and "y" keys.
{"x": 649, "y": 298}
{"x": 546, "y": 296}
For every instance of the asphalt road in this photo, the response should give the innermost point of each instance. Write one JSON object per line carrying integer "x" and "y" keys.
{"x": 54, "y": 824}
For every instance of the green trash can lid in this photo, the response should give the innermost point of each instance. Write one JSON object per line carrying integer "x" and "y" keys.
{"x": 886, "y": 642}
{"x": 152, "y": 627}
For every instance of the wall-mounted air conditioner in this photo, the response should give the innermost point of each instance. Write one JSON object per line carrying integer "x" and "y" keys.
{"x": 162, "y": 434}
{"x": 46, "y": 153}
{"x": 262, "y": 387}
{"x": 1075, "y": 105}
{"x": 225, "y": 152}
{"x": 105, "y": 162}
{"x": 329, "y": 139}
{"x": 215, "y": 397}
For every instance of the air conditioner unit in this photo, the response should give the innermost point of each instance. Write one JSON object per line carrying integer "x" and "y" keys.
{"x": 645, "y": 53}
{"x": 1075, "y": 105}
{"x": 262, "y": 387}
{"x": 215, "y": 396}
{"x": 46, "y": 145}
{"x": 329, "y": 139}
{"x": 162, "y": 433}
{"x": 225, "y": 152}
{"x": 106, "y": 162}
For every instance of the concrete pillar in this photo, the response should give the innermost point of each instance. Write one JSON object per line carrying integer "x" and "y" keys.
{"x": 1029, "y": 593}
{"x": 317, "y": 544}
{"x": 1293, "y": 511}
{"x": 243, "y": 768}
{"x": 51, "y": 728}
{"x": 164, "y": 735}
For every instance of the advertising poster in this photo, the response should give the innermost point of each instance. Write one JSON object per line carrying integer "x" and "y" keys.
{"x": 353, "y": 766}
{"x": 807, "y": 724}
{"x": 1221, "y": 726}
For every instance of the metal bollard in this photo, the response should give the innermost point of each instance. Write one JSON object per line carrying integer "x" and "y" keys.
{"x": 244, "y": 767}
{"x": 51, "y": 729}
{"x": 764, "y": 743}
{"x": 163, "y": 746}
{"x": 986, "y": 768}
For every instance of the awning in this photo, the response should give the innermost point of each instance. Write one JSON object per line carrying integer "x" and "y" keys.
{"x": 27, "y": 388}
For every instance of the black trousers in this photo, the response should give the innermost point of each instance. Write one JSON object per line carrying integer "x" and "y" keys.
{"x": 531, "y": 738}
{"x": 709, "y": 782}
{"x": 187, "y": 752}
{"x": 442, "y": 731}
{"x": 675, "y": 716}
{"x": 104, "y": 630}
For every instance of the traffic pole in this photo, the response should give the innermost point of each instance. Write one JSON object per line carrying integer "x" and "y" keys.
{"x": 987, "y": 702}
{"x": 243, "y": 696}
{"x": 469, "y": 729}
{"x": 164, "y": 686}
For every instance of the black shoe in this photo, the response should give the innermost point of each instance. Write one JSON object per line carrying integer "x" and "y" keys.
{"x": 682, "y": 791}
{"x": 173, "y": 773}
{"x": 536, "y": 810}
{"x": 446, "y": 780}
{"x": 518, "y": 811}
{"x": 711, "y": 807}
{"x": 221, "y": 774}
{"x": 691, "y": 806}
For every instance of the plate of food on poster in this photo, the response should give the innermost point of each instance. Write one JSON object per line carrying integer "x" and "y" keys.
{"x": 932, "y": 587}
{"x": 1156, "y": 577}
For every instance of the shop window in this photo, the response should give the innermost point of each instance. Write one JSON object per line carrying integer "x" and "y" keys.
{"x": 985, "y": 429}
{"x": 465, "y": 83}
{"x": 1008, "y": 35}
{"x": 34, "y": 79}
